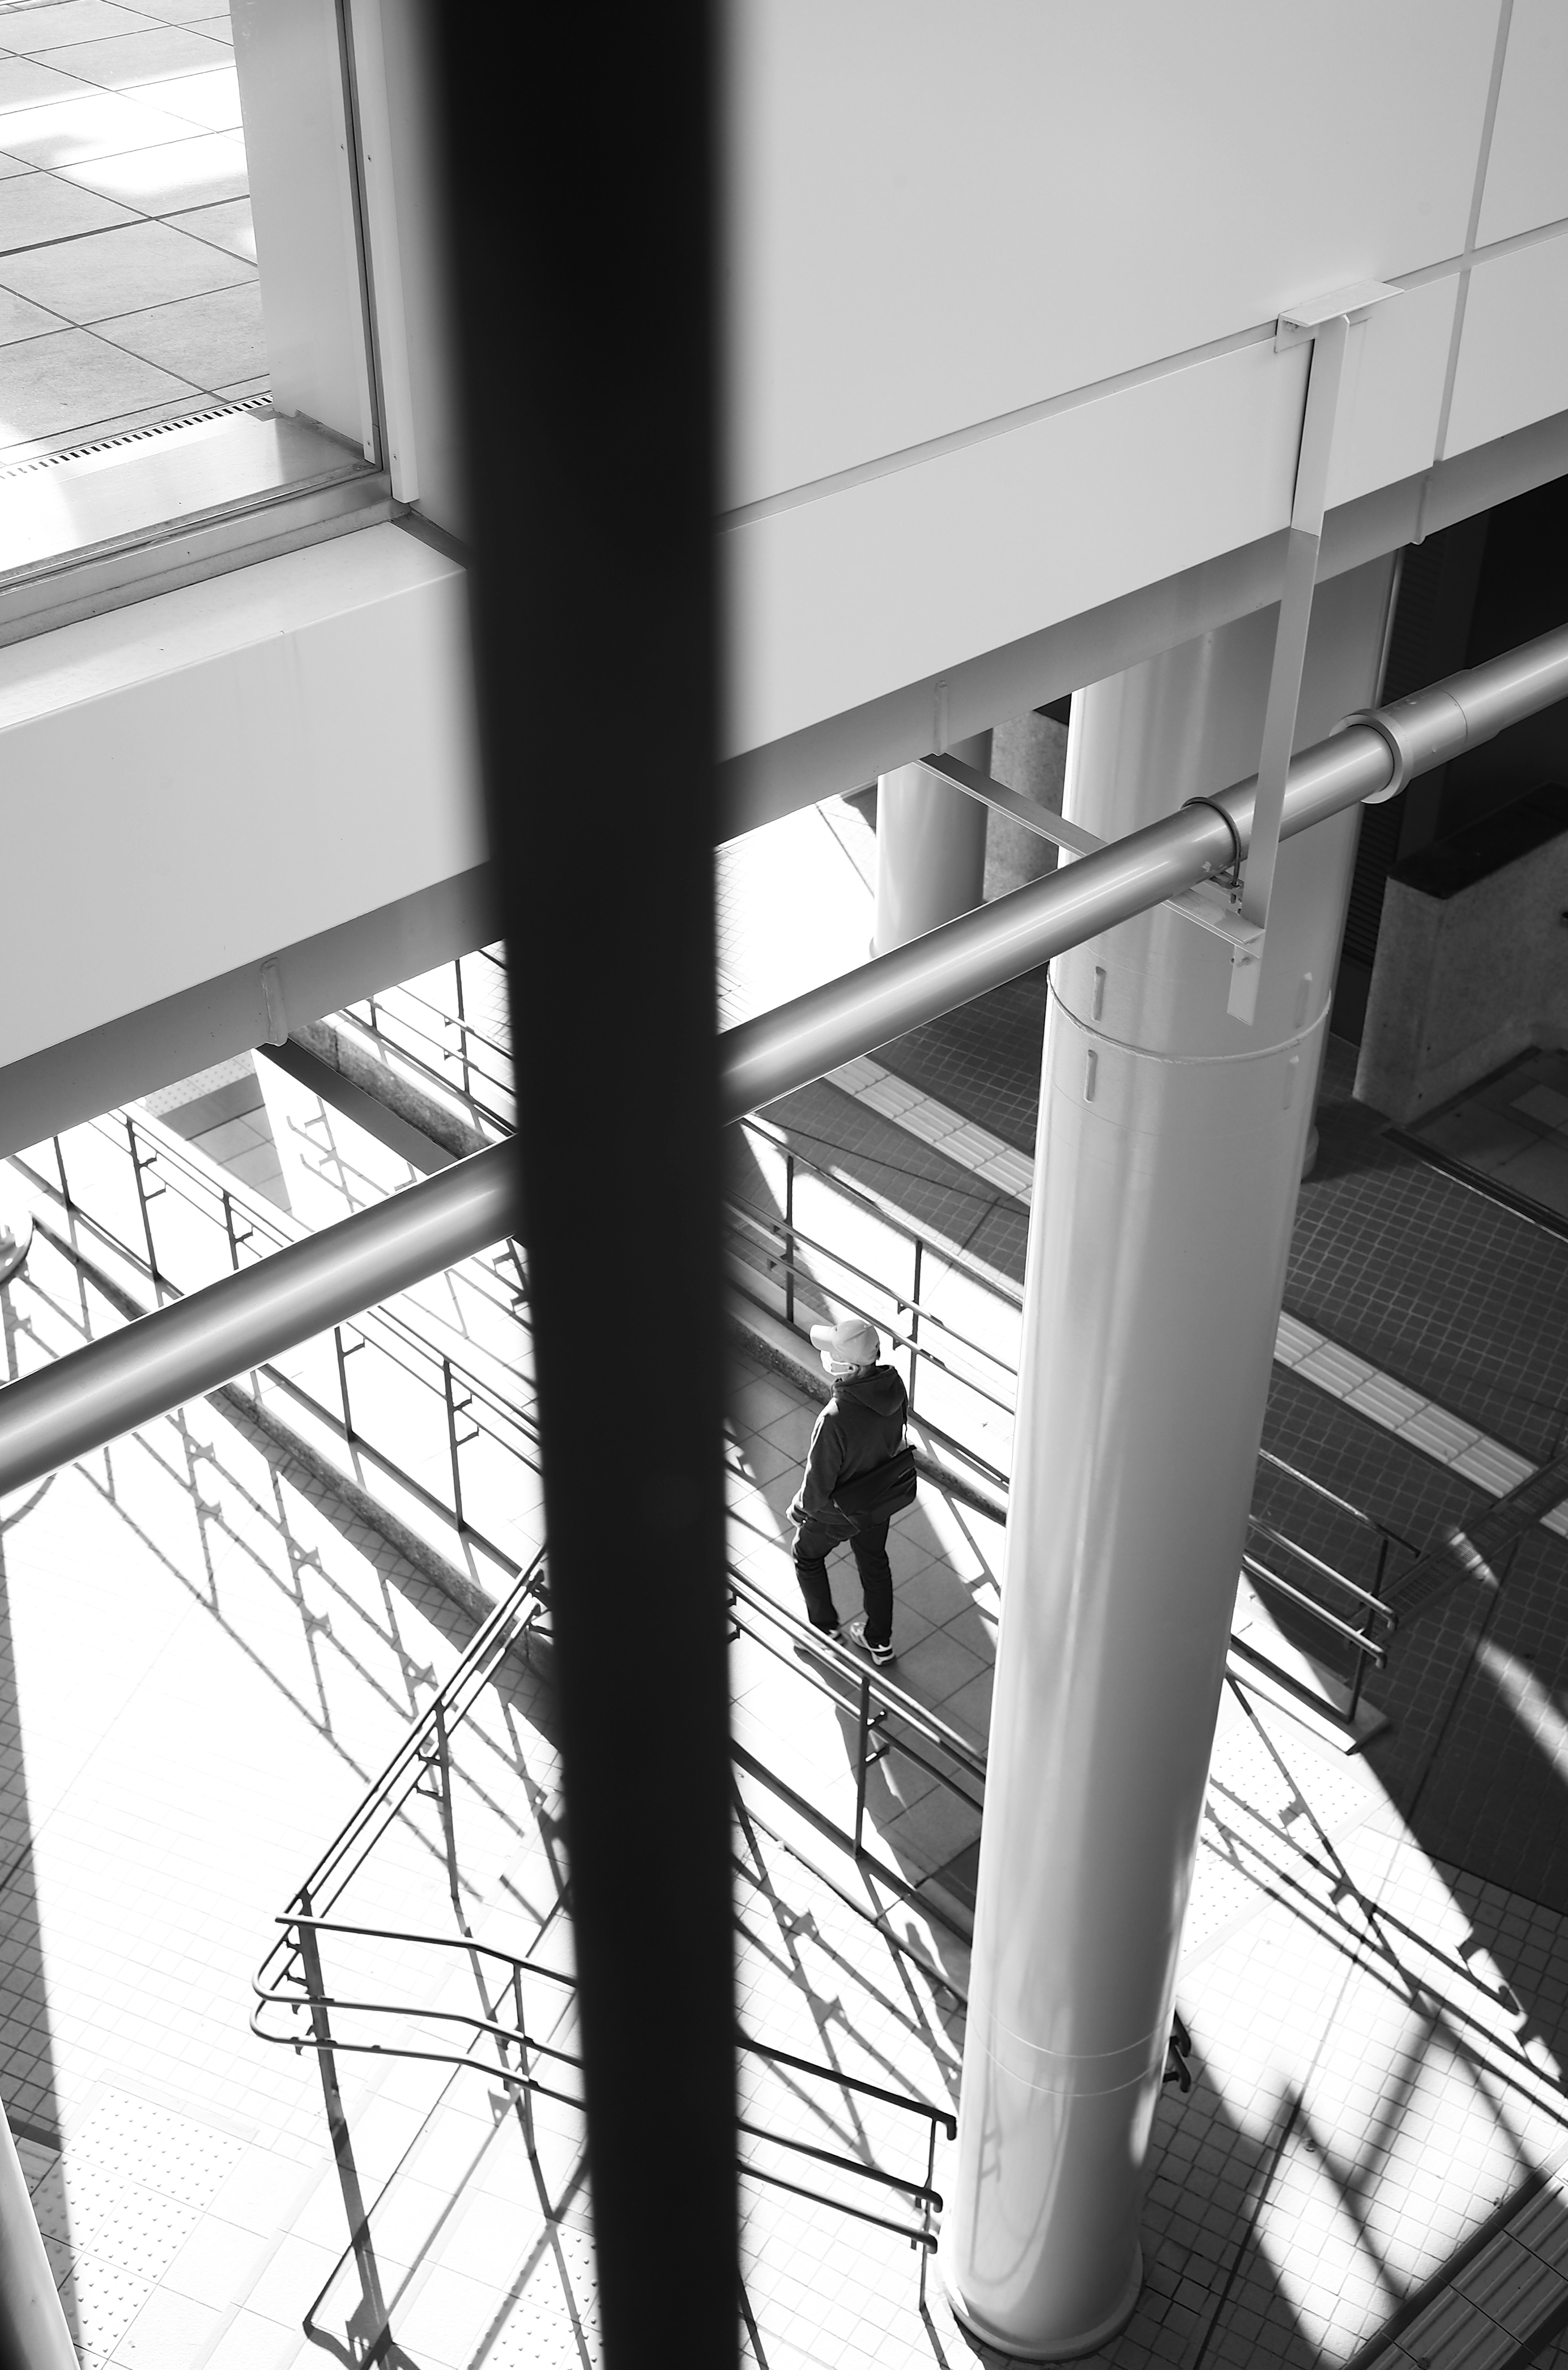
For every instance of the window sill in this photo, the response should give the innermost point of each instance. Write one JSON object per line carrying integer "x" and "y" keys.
{"x": 101, "y": 525}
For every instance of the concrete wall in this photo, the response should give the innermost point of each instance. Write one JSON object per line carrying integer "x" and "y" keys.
{"x": 1029, "y": 752}
{"x": 1463, "y": 983}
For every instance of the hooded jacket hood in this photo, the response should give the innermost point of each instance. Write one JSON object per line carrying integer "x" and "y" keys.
{"x": 880, "y": 1392}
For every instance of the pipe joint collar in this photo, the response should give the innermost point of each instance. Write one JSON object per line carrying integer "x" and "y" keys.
{"x": 1418, "y": 732}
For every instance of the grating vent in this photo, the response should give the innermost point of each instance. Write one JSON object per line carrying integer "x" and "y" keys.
{"x": 253, "y": 403}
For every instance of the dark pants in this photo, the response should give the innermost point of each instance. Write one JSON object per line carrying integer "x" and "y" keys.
{"x": 869, "y": 1546}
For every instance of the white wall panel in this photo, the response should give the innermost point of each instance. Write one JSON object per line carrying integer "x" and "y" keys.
{"x": 942, "y": 214}
{"x": 1393, "y": 393}
{"x": 1526, "y": 173}
{"x": 194, "y": 782}
{"x": 835, "y": 601}
{"x": 1512, "y": 363}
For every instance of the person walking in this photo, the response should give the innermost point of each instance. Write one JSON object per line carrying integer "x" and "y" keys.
{"x": 859, "y": 1473}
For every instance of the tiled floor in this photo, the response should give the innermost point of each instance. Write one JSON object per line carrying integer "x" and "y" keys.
{"x": 127, "y": 264}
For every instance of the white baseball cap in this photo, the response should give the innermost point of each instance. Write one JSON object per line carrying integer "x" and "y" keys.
{"x": 853, "y": 1341}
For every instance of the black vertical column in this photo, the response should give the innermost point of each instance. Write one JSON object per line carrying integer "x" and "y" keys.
{"x": 579, "y": 177}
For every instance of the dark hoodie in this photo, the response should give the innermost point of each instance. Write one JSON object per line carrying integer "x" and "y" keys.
{"x": 861, "y": 1428}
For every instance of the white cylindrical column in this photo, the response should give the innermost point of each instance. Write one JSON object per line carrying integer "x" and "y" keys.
{"x": 34, "y": 2331}
{"x": 930, "y": 849}
{"x": 1166, "y": 1166}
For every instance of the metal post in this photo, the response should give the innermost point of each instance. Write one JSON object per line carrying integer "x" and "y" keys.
{"x": 60, "y": 1164}
{"x": 141, "y": 1200}
{"x": 925, "y": 2201}
{"x": 863, "y": 1741}
{"x": 367, "y": 2339}
{"x": 462, "y": 1030}
{"x": 452, "y": 1441}
{"x": 790, "y": 1236}
{"x": 448, "y": 1824}
{"x": 915, "y": 1322}
{"x": 343, "y": 1356}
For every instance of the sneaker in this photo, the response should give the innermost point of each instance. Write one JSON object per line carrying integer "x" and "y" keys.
{"x": 856, "y": 1634}
{"x": 820, "y": 1638}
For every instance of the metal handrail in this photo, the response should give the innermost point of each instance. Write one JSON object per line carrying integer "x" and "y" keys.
{"x": 901, "y": 1339}
{"x": 953, "y": 1254}
{"x": 776, "y": 1233}
{"x": 1293, "y": 1547}
{"x": 875, "y": 1701}
{"x": 1320, "y": 1490}
{"x": 519, "y": 1963}
{"x": 1363, "y": 1644}
{"x": 204, "y": 1187}
{"x": 464, "y": 1392}
{"x": 290, "y": 1976}
{"x": 507, "y": 1626}
{"x": 930, "y": 1724}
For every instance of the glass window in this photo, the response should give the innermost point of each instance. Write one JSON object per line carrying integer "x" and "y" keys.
{"x": 154, "y": 365}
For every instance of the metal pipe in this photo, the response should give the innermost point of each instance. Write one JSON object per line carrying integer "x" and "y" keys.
{"x": 767, "y": 1057}
{"x": 110, "y": 1386}
{"x": 90, "y": 1397}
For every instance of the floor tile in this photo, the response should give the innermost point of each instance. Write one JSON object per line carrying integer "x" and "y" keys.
{"x": 217, "y": 2262}
{"x": 19, "y": 319}
{"x": 39, "y": 207}
{"x": 253, "y": 2343}
{"x": 166, "y": 176}
{"x": 31, "y": 82}
{"x": 181, "y": 12}
{"x": 80, "y": 129}
{"x": 228, "y": 225}
{"x": 128, "y": 60}
{"x": 75, "y": 380}
{"x": 214, "y": 341}
{"x": 118, "y": 272}
{"x": 210, "y": 100}
{"x": 34, "y": 29}
{"x": 170, "y": 2332}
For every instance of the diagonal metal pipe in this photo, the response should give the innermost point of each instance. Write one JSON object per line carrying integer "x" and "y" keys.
{"x": 96, "y": 1392}
{"x": 766, "y": 1057}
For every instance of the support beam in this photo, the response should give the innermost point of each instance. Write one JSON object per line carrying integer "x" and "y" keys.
{"x": 95, "y": 1394}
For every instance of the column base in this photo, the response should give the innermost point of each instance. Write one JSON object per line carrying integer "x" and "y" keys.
{"x": 1066, "y": 2349}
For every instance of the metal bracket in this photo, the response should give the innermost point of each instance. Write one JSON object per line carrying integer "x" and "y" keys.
{"x": 1210, "y": 904}
{"x": 1070, "y": 837}
{"x": 1213, "y": 907}
{"x": 1326, "y": 321}
{"x": 1299, "y": 322}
